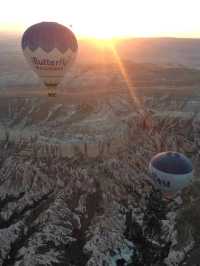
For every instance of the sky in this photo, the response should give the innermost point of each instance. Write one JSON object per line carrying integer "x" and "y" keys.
{"x": 107, "y": 18}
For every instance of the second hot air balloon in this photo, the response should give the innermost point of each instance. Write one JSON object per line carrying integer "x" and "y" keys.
{"x": 170, "y": 172}
{"x": 50, "y": 48}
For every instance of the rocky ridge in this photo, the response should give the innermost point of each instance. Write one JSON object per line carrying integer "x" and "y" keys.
{"x": 57, "y": 210}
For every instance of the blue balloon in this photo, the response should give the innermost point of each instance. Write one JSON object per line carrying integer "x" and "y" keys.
{"x": 170, "y": 171}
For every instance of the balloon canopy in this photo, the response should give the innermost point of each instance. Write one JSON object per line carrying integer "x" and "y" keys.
{"x": 170, "y": 171}
{"x": 50, "y": 48}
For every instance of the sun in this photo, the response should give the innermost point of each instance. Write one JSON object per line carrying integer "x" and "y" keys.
{"x": 101, "y": 32}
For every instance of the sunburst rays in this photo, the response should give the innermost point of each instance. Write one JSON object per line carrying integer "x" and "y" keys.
{"x": 129, "y": 84}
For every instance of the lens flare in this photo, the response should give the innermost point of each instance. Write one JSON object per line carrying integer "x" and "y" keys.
{"x": 128, "y": 81}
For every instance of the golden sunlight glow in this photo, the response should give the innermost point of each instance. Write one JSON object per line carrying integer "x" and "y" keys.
{"x": 107, "y": 18}
{"x": 129, "y": 84}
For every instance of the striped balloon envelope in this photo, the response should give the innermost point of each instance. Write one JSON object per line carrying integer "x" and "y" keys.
{"x": 170, "y": 172}
{"x": 50, "y": 49}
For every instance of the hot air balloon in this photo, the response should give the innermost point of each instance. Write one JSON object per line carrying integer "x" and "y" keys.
{"x": 50, "y": 49}
{"x": 170, "y": 172}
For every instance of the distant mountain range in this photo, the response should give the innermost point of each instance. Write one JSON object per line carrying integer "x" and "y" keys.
{"x": 162, "y": 53}
{"x": 170, "y": 51}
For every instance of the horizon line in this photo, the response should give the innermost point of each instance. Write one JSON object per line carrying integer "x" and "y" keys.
{"x": 115, "y": 38}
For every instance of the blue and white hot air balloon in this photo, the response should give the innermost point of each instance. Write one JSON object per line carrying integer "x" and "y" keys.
{"x": 170, "y": 172}
{"x": 50, "y": 48}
